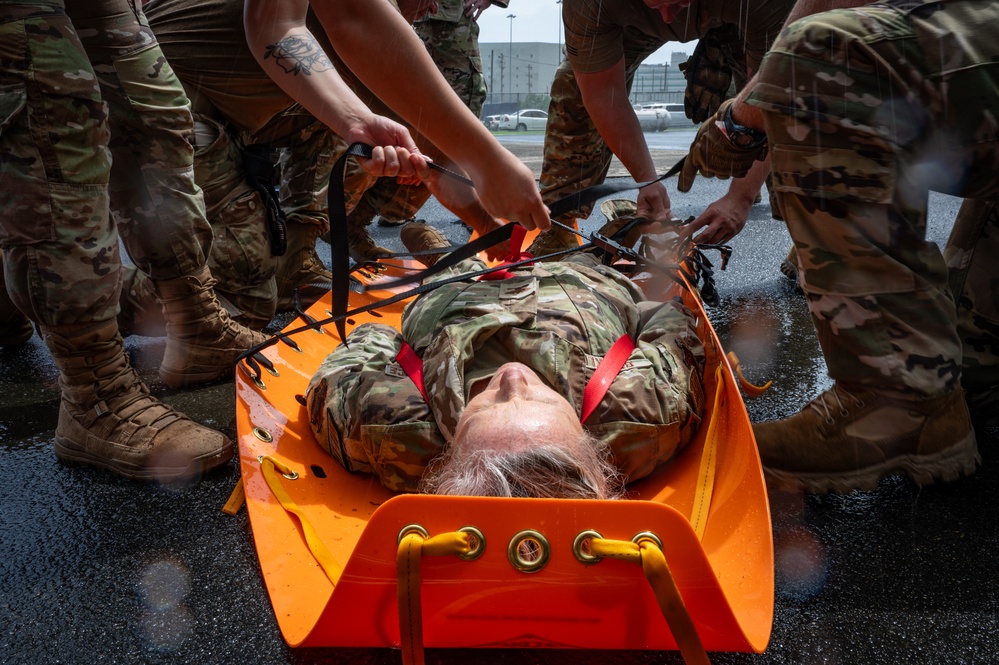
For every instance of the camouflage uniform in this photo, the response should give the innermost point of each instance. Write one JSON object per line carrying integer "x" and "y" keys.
{"x": 93, "y": 73}
{"x": 866, "y": 110}
{"x": 559, "y": 319}
{"x": 597, "y": 35}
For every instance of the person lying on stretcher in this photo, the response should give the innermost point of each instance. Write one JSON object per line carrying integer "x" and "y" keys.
{"x": 505, "y": 368}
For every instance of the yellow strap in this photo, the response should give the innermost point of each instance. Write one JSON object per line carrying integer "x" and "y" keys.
{"x": 271, "y": 468}
{"x": 709, "y": 460}
{"x": 660, "y": 578}
{"x": 412, "y": 546}
{"x": 747, "y": 387}
{"x": 236, "y": 499}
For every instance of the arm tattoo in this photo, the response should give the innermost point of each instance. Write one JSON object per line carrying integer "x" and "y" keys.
{"x": 299, "y": 54}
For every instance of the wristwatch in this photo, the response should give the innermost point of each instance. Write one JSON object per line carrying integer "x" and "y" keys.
{"x": 740, "y": 135}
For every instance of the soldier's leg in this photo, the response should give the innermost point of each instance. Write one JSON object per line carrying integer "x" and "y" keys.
{"x": 575, "y": 155}
{"x": 852, "y": 162}
{"x": 61, "y": 258}
{"x": 974, "y": 280}
{"x": 15, "y": 327}
{"x": 158, "y": 206}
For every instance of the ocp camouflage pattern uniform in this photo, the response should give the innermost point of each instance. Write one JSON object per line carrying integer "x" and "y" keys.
{"x": 559, "y": 319}
{"x": 919, "y": 83}
{"x": 93, "y": 72}
{"x": 597, "y": 35}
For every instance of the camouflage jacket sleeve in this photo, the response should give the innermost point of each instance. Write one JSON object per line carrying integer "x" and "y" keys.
{"x": 367, "y": 413}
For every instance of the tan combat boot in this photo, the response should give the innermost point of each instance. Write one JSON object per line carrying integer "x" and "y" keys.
{"x": 555, "y": 239}
{"x": 362, "y": 245}
{"x": 203, "y": 342}
{"x": 418, "y": 236}
{"x": 301, "y": 268}
{"x": 848, "y": 439}
{"x": 108, "y": 419}
{"x": 789, "y": 266}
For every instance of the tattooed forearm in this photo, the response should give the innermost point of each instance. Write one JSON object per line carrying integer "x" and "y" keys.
{"x": 299, "y": 54}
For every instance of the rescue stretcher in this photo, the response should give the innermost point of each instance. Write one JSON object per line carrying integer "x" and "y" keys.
{"x": 341, "y": 556}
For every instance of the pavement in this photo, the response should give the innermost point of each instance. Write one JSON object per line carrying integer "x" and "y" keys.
{"x": 95, "y": 569}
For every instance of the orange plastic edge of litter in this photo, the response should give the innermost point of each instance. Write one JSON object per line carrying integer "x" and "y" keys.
{"x": 726, "y": 579}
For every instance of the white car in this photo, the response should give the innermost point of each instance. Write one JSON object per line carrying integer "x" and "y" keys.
{"x": 652, "y": 117}
{"x": 492, "y": 122}
{"x": 524, "y": 120}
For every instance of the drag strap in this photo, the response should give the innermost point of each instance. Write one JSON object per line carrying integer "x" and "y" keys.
{"x": 609, "y": 367}
{"x": 650, "y": 555}
{"x": 272, "y": 468}
{"x": 412, "y": 546}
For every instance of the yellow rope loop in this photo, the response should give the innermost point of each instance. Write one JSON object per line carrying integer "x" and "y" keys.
{"x": 750, "y": 389}
{"x": 446, "y": 544}
{"x": 648, "y": 554}
{"x": 412, "y": 546}
{"x": 272, "y": 470}
{"x": 624, "y": 550}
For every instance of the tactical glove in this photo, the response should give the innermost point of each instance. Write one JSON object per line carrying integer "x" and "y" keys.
{"x": 716, "y": 155}
{"x": 709, "y": 71}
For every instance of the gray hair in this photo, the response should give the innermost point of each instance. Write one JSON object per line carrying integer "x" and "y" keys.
{"x": 543, "y": 471}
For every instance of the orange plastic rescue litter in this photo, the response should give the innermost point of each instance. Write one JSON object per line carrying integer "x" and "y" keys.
{"x": 336, "y": 549}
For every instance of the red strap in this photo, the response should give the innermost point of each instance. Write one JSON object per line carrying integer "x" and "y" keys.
{"x": 516, "y": 244}
{"x": 603, "y": 376}
{"x": 598, "y": 385}
{"x": 412, "y": 364}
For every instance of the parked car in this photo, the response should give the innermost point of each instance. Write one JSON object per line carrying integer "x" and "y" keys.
{"x": 652, "y": 117}
{"x": 524, "y": 120}
{"x": 492, "y": 122}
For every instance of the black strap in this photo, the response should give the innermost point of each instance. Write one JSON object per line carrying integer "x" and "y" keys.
{"x": 258, "y": 167}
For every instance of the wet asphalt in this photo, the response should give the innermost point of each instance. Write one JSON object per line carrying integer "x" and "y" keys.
{"x": 95, "y": 569}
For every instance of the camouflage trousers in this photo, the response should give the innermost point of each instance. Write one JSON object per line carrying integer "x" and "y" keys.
{"x": 576, "y": 156}
{"x": 78, "y": 84}
{"x": 867, "y": 110}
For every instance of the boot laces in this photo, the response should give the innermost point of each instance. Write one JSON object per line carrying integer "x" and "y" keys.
{"x": 835, "y": 400}
{"x": 125, "y": 394}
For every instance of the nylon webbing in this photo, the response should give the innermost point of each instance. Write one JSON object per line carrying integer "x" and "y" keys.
{"x": 667, "y": 594}
{"x": 412, "y": 547}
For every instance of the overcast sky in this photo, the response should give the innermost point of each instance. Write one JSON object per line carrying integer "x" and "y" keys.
{"x": 540, "y": 21}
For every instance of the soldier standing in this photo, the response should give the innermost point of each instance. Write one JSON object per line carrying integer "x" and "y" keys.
{"x": 865, "y": 110}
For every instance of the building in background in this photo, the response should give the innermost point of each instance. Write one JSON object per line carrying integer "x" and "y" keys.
{"x": 519, "y": 75}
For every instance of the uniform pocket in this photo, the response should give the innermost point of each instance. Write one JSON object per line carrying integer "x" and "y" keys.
{"x": 835, "y": 173}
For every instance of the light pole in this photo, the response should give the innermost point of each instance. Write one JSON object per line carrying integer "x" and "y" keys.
{"x": 510, "y": 56}
{"x": 559, "y": 3}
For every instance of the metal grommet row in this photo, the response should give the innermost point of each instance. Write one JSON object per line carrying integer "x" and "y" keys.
{"x": 528, "y": 551}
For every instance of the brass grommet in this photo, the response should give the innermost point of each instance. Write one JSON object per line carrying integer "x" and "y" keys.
{"x": 262, "y": 434}
{"x": 258, "y": 383}
{"x": 478, "y": 543}
{"x": 411, "y": 528}
{"x": 528, "y": 551}
{"x": 580, "y": 542}
{"x": 272, "y": 371}
{"x": 647, "y": 535}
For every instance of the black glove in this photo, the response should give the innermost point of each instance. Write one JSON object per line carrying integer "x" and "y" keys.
{"x": 718, "y": 56}
{"x": 716, "y": 156}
